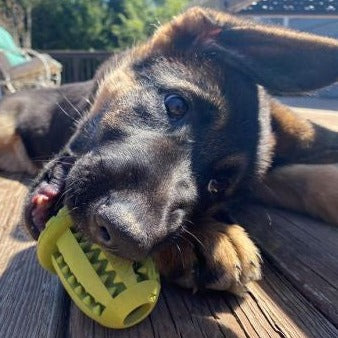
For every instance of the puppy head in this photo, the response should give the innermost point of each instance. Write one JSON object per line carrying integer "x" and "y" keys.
{"x": 177, "y": 124}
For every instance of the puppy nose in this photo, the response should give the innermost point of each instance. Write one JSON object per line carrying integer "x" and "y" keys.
{"x": 116, "y": 227}
{"x": 104, "y": 235}
{"x": 118, "y": 230}
{"x": 104, "y": 229}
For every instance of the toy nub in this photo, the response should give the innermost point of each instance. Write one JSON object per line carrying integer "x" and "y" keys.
{"x": 113, "y": 291}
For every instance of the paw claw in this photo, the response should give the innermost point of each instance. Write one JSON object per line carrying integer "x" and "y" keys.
{"x": 239, "y": 289}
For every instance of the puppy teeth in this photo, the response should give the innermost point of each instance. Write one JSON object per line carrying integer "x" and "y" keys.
{"x": 39, "y": 199}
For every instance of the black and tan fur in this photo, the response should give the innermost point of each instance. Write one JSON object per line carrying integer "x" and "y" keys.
{"x": 141, "y": 183}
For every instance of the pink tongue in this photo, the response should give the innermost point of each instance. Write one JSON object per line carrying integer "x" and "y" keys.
{"x": 42, "y": 201}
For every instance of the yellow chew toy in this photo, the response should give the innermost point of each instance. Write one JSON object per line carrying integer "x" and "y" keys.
{"x": 115, "y": 292}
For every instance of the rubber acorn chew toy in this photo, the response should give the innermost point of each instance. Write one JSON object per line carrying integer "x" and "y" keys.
{"x": 115, "y": 292}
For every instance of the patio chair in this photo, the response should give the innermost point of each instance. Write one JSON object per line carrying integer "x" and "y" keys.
{"x": 25, "y": 68}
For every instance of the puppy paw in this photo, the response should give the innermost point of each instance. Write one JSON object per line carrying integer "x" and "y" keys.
{"x": 219, "y": 257}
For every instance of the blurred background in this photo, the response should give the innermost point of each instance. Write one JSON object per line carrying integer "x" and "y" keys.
{"x": 80, "y": 34}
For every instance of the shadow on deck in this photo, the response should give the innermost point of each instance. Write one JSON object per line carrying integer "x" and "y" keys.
{"x": 298, "y": 296}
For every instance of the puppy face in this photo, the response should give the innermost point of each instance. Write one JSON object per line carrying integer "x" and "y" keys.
{"x": 163, "y": 136}
{"x": 176, "y": 125}
{"x": 144, "y": 160}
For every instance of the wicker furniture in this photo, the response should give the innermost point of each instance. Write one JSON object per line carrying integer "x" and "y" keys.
{"x": 29, "y": 69}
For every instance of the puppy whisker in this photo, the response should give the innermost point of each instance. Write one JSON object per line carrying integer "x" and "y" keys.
{"x": 64, "y": 111}
{"x": 180, "y": 254}
{"x": 194, "y": 237}
{"x": 73, "y": 106}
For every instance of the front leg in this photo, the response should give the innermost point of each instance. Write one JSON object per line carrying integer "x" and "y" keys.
{"x": 218, "y": 257}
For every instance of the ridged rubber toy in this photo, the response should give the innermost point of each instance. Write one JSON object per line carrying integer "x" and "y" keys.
{"x": 115, "y": 292}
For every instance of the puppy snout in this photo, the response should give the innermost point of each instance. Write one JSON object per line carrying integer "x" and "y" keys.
{"x": 117, "y": 229}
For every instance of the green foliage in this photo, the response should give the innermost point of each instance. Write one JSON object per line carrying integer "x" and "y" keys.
{"x": 139, "y": 18}
{"x": 98, "y": 24}
{"x": 131, "y": 23}
{"x": 68, "y": 24}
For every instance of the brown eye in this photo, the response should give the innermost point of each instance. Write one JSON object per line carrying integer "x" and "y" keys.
{"x": 176, "y": 106}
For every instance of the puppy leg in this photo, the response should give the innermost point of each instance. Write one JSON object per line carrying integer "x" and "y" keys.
{"x": 311, "y": 189}
{"x": 300, "y": 141}
{"x": 219, "y": 257}
{"x": 13, "y": 155}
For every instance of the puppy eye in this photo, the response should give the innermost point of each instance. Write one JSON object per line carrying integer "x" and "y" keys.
{"x": 176, "y": 106}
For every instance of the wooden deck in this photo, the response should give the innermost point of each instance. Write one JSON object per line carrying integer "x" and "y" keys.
{"x": 298, "y": 296}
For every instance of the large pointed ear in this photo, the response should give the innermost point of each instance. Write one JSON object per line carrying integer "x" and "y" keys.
{"x": 280, "y": 59}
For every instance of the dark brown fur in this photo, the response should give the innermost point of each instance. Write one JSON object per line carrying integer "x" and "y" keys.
{"x": 237, "y": 139}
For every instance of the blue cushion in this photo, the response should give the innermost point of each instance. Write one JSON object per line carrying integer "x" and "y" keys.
{"x": 13, "y": 54}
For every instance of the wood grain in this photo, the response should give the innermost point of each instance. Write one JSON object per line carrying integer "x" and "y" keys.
{"x": 272, "y": 308}
{"x": 305, "y": 250}
{"x": 296, "y": 298}
{"x": 31, "y": 301}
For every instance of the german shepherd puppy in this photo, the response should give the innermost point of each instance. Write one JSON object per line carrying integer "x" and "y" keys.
{"x": 174, "y": 134}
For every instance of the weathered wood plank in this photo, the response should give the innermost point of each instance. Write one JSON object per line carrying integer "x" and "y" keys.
{"x": 305, "y": 250}
{"x": 31, "y": 301}
{"x": 177, "y": 314}
{"x": 289, "y": 313}
{"x": 272, "y": 308}
{"x": 33, "y": 304}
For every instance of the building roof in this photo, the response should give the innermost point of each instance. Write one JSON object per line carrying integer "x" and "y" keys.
{"x": 292, "y": 7}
